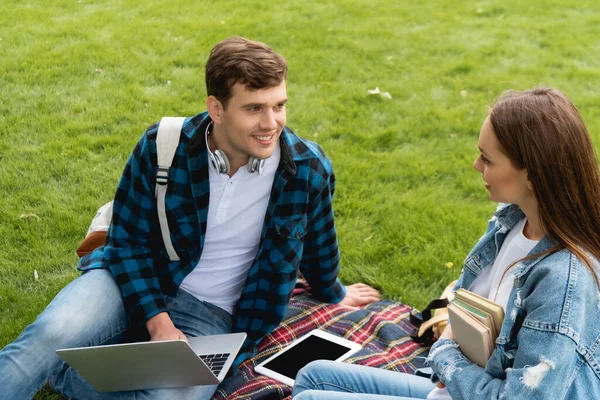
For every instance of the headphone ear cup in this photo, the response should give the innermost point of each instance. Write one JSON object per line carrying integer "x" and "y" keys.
{"x": 213, "y": 160}
{"x": 253, "y": 164}
{"x": 221, "y": 162}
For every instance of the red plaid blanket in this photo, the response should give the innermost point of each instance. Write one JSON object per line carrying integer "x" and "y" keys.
{"x": 382, "y": 328}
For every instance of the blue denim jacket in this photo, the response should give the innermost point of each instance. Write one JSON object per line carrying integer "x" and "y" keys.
{"x": 549, "y": 344}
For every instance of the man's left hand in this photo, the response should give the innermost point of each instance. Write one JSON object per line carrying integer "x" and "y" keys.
{"x": 360, "y": 294}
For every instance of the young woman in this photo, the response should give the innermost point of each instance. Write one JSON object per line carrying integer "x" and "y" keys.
{"x": 538, "y": 259}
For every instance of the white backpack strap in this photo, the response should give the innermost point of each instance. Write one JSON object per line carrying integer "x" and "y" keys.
{"x": 167, "y": 140}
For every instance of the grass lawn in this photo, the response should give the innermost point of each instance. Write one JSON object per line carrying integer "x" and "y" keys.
{"x": 81, "y": 80}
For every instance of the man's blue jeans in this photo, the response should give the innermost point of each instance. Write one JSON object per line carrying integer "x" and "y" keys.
{"x": 328, "y": 380}
{"x": 88, "y": 312}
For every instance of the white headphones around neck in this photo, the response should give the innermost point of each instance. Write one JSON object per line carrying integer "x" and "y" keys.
{"x": 220, "y": 161}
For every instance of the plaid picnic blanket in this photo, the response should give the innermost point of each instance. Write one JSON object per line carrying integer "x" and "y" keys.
{"x": 382, "y": 328}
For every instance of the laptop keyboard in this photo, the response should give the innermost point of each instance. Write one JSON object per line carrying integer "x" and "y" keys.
{"x": 215, "y": 361}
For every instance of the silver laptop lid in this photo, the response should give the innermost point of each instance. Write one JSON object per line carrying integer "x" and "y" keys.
{"x": 151, "y": 365}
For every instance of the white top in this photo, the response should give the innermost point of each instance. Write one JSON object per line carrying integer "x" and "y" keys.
{"x": 496, "y": 283}
{"x": 515, "y": 247}
{"x": 236, "y": 214}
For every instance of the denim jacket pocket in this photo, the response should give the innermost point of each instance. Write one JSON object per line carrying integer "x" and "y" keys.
{"x": 507, "y": 353}
{"x": 473, "y": 263}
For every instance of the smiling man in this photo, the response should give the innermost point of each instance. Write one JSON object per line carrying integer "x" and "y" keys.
{"x": 248, "y": 206}
{"x": 250, "y": 123}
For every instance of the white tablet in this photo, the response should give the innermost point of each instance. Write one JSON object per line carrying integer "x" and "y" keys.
{"x": 315, "y": 345}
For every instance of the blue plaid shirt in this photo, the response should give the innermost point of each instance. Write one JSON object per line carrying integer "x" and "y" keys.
{"x": 298, "y": 231}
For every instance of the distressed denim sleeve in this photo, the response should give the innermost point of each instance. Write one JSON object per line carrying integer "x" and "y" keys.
{"x": 535, "y": 374}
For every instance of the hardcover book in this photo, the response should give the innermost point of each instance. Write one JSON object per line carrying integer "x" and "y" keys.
{"x": 476, "y": 323}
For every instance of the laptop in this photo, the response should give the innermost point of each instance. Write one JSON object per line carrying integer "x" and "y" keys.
{"x": 153, "y": 365}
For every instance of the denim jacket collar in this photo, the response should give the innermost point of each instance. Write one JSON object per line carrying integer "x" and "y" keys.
{"x": 550, "y": 330}
{"x": 507, "y": 216}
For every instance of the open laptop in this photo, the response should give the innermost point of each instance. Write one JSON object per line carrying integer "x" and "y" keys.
{"x": 152, "y": 365}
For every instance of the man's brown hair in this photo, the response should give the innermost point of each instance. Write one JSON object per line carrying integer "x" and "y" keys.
{"x": 238, "y": 60}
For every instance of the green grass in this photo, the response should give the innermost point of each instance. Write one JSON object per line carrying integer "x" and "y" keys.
{"x": 80, "y": 81}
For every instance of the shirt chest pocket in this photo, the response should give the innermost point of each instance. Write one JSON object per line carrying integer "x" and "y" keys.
{"x": 287, "y": 242}
{"x": 183, "y": 223}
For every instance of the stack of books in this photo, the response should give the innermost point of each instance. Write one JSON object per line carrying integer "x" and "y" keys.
{"x": 476, "y": 323}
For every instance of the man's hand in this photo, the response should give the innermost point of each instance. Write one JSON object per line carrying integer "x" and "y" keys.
{"x": 160, "y": 327}
{"x": 360, "y": 294}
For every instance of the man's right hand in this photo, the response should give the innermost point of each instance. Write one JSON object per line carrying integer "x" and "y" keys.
{"x": 160, "y": 327}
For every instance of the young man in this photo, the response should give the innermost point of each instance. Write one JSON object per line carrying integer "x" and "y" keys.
{"x": 248, "y": 206}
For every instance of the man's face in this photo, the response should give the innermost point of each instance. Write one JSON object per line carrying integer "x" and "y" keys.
{"x": 252, "y": 122}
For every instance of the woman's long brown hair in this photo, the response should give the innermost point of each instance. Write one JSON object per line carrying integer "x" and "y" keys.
{"x": 542, "y": 131}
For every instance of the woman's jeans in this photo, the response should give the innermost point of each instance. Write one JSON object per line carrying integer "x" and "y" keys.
{"x": 328, "y": 380}
{"x": 90, "y": 312}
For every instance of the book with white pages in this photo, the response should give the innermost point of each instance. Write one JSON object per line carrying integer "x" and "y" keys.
{"x": 481, "y": 315}
{"x": 483, "y": 304}
{"x": 473, "y": 337}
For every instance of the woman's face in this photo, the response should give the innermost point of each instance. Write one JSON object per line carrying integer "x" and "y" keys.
{"x": 505, "y": 183}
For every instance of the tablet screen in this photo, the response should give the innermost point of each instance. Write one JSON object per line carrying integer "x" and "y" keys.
{"x": 288, "y": 363}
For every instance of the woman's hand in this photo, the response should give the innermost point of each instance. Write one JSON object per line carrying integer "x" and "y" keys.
{"x": 447, "y": 334}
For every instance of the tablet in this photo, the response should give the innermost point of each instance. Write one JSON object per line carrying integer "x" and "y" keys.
{"x": 315, "y": 345}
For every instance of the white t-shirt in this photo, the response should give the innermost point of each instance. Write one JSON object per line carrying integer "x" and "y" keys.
{"x": 236, "y": 215}
{"x": 496, "y": 283}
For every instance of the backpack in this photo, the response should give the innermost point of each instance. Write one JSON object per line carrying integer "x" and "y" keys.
{"x": 430, "y": 325}
{"x": 167, "y": 140}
